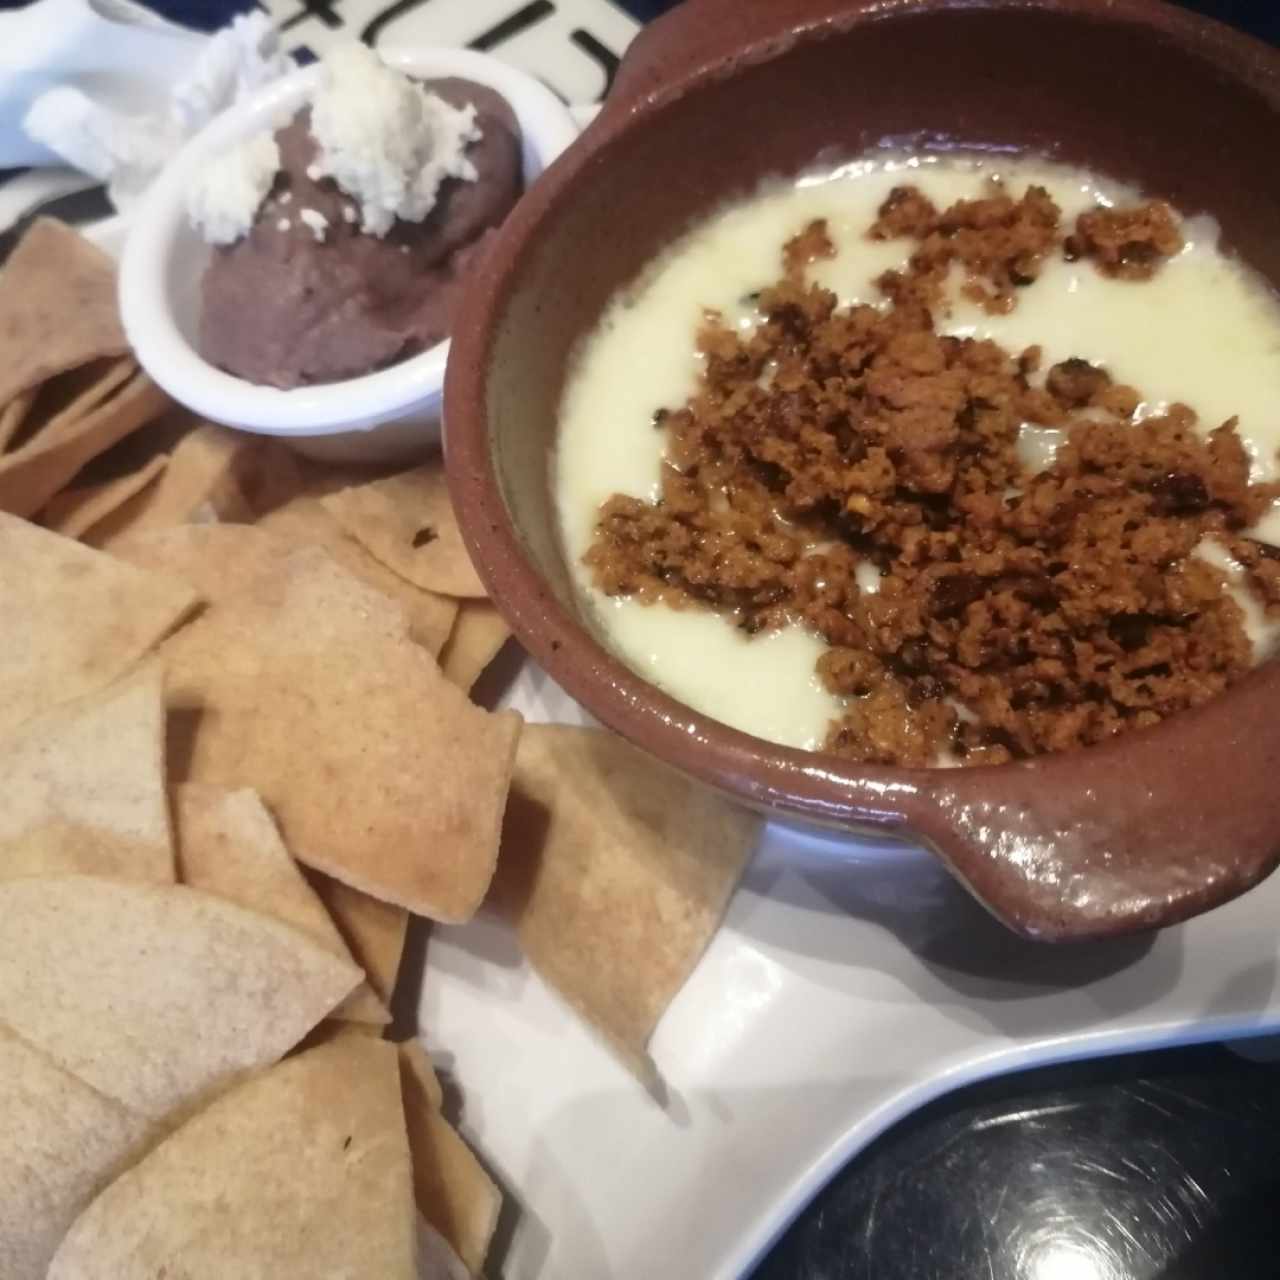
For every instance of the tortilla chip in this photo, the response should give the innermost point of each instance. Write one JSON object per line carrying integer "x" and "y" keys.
{"x": 57, "y": 308}
{"x": 214, "y": 474}
{"x": 269, "y": 474}
{"x": 73, "y": 512}
{"x": 229, "y": 846}
{"x": 215, "y": 560}
{"x": 373, "y": 931}
{"x": 156, "y": 995}
{"x": 74, "y": 618}
{"x": 301, "y": 1173}
{"x": 32, "y": 474}
{"x": 304, "y": 522}
{"x": 84, "y": 787}
{"x": 615, "y": 871}
{"x": 62, "y": 1144}
{"x": 162, "y": 435}
{"x": 476, "y": 639}
{"x": 407, "y": 522}
{"x": 416, "y": 1063}
{"x": 199, "y": 485}
{"x": 13, "y": 415}
{"x": 321, "y": 478}
{"x": 332, "y": 1029}
{"x": 454, "y": 1193}
{"x": 308, "y": 687}
{"x": 64, "y": 400}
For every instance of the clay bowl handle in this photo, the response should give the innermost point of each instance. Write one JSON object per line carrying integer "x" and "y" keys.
{"x": 1144, "y": 831}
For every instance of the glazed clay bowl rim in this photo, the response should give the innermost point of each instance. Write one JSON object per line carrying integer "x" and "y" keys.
{"x": 987, "y": 805}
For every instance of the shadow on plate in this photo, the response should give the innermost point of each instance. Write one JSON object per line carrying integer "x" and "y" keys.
{"x": 914, "y": 922}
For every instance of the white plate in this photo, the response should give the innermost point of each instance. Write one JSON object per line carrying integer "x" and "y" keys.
{"x": 851, "y": 983}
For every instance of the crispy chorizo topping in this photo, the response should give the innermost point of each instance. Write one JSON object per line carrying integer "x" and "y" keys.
{"x": 856, "y": 471}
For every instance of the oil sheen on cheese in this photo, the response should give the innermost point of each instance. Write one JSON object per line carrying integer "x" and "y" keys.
{"x": 1204, "y": 331}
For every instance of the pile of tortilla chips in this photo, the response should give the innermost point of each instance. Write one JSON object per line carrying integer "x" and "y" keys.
{"x": 238, "y": 751}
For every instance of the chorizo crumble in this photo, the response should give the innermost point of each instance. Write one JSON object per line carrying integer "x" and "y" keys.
{"x": 1014, "y": 612}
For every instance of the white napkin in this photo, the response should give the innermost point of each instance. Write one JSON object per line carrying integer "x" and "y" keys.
{"x": 122, "y": 54}
{"x": 106, "y": 87}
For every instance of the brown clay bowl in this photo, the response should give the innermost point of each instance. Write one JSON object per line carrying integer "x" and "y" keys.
{"x": 1143, "y": 832}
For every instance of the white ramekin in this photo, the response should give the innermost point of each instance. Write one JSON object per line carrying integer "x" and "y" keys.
{"x": 383, "y": 416}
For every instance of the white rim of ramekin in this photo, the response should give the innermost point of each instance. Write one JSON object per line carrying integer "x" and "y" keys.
{"x": 324, "y": 408}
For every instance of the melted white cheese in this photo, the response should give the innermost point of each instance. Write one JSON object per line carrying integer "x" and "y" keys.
{"x": 1203, "y": 331}
{"x": 765, "y": 684}
{"x": 1263, "y": 632}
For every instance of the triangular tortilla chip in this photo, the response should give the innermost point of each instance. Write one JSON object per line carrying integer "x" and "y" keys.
{"x": 84, "y": 787}
{"x": 64, "y": 400}
{"x": 269, "y": 474}
{"x": 303, "y": 522}
{"x": 418, "y": 1075}
{"x": 476, "y": 639}
{"x": 200, "y": 484}
{"x": 300, "y": 1174}
{"x": 73, "y": 512}
{"x": 63, "y": 1142}
{"x": 323, "y": 478}
{"x": 332, "y": 1029}
{"x": 615, "y": 871}
{"x": 379, "y": 771}
{"x": 407, "y": 522}
{"x": 156, "y": 995}
{"x": 32, "y": 474}
{"x": 229, "y": 846}
{"x": 162, "y": 435}
{"x": 13, "y": 415}
{"x": 57, "y": 307}
{"x": 374, "y": 931}
{"x": 214, "y": 560}
{"x": 454, "y": 1193}
{"x": 73, "y": 619}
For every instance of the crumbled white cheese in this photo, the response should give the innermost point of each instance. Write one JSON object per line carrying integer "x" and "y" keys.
{"x": 316, "y": 220}
{"x": 349, "y": 213}
{"x": 287, "y": 197}
{"x": 283, "y": 225}
{"x": 226, "y": 194}
{"x": 386, "y": 141}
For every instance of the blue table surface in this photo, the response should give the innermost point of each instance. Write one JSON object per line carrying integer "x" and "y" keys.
{"x": 1152, "y": 1167}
